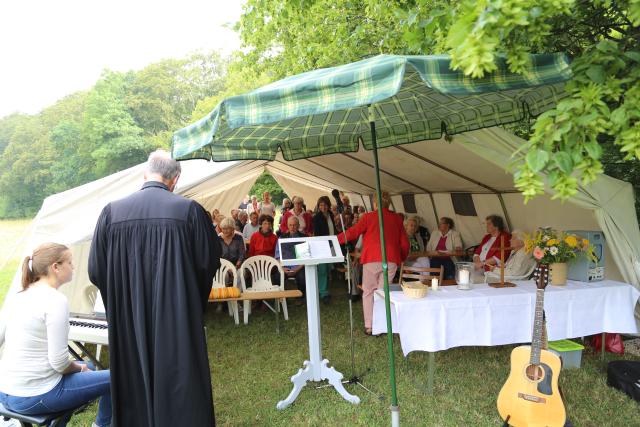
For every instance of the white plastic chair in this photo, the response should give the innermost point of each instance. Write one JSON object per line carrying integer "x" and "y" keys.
{"x": 219, "y": 281}
{"x": 259, "y": 267}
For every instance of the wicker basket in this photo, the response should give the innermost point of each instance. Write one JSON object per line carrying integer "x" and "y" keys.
{"x": 414, "y": 289}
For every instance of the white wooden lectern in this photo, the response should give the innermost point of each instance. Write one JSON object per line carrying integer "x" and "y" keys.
{"x": 323, "y": 250}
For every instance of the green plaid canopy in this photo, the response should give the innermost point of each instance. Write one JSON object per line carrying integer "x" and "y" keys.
{"x": 326, "y": 111}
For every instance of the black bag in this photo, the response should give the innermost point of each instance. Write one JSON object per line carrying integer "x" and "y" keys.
{"x": 625, "y": 376}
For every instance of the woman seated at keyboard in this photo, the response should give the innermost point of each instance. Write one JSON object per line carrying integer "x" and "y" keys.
{"x": 36, "y": 375}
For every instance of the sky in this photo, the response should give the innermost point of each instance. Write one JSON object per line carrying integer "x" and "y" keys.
{"x": 50, "y": 49}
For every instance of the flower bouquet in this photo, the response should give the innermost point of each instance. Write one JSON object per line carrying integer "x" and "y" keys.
{"x": 556, "y": 249}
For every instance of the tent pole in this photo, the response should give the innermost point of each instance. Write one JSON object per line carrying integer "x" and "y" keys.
{"x": 435, "y": 211}
{"x": 363, "y": 202}
{"x": 395, "y": 413}
{"x": 504, "y": 210}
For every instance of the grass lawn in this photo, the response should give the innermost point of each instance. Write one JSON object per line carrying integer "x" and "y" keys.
{"x": 13, "y": 235}
{"x": 251, "y": 368}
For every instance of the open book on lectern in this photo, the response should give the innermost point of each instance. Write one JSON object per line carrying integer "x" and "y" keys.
{"x": 310, "y": 250}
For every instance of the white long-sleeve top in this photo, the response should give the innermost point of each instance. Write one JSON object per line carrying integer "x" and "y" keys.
{"x": 35, "y": 335}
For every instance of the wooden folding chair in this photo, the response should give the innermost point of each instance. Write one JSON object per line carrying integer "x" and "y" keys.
{"x": 420, "y": 273}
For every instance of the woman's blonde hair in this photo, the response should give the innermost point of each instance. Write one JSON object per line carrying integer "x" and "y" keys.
{"x": 386, "y": 199}
{"x": 227, "y": 223}
{"x": 36, "y": 266}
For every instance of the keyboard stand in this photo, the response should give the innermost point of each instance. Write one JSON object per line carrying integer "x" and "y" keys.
{"x": 86, "y": 353}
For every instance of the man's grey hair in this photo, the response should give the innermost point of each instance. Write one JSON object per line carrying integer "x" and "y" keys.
{"x": 161, "y": 163}
{"x": 293, "y": 218}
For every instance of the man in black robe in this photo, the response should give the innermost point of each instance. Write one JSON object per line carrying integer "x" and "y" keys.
{"x": 153, "y": 257}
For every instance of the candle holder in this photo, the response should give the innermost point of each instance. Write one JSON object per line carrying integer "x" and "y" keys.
{"x": 464, "y": 273}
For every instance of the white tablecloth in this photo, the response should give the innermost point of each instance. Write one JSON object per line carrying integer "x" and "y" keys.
{"x": 496, "y": 316}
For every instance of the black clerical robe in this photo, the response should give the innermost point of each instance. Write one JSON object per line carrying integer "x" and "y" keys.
{"x": 153, "y": 257}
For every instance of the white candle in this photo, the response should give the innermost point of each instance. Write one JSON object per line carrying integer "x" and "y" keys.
{"x": 464, "y": 277}
{"x": 434, "y": 284}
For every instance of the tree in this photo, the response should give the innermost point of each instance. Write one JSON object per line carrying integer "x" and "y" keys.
{"x": 25, "y": 170}
{"x": 113, "y": 138}
{"x": 288, "y": 37}
{"x": 8, "y": 126}
{"x": 266, "y": 182}
{"x": 162, "y": 96}
{"x": 602, "y": 37}
{"x": 238, "y": 79}
{"x": 113, "y": 126}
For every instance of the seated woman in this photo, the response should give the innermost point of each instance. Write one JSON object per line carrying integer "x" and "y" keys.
{"x": 233, "y": 249}
{"x": 417, "y": 254}
{"x": 264, "y": 241}
{"x": 444, "y": 243}
{"x": 36, "y": 375}
{"x": 519, "y": 263}
{"x": 487, "y": 254}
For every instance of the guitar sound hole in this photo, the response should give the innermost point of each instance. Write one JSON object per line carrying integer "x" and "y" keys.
{"x": 534, "y": 372}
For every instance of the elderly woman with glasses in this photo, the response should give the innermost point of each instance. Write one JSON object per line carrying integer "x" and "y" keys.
{"x": 416, "y": 256}
{"x": 233, "y": 248}
{"x": 519, "y": 264}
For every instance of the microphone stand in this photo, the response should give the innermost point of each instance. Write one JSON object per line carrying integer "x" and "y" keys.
{"x": 355, "y": 378}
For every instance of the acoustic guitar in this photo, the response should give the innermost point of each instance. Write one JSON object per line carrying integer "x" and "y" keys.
{"x": 531, "y": 397}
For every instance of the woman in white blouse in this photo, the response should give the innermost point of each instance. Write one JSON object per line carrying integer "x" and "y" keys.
{"x": 36, "y": 373}
{"x": 444, "y": 243}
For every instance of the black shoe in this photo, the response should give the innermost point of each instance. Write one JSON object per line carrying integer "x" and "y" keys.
{"x": 326, "y": 299}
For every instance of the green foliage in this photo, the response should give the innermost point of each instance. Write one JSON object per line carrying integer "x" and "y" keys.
{"x": 602, "y": 36}
{"x": 604, "y": 96}
{"x": 266, "y": 182}
{"x": 111, "y": 127}
{"x": 291, "y": 36}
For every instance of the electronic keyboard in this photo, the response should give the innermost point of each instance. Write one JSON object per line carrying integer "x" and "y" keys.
{"x": 88, "y": 329}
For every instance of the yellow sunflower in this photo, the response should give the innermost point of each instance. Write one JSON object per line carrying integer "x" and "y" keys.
{"x": 571, "y": 240}
{"x": 553, "y": 242}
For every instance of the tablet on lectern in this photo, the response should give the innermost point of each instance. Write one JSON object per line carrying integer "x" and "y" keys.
{"x": 310, "y": 250}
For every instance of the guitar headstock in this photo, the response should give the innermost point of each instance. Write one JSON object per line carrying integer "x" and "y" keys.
{"x": 541, "y": 276}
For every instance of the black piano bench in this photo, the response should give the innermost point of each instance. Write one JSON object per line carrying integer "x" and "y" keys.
{"x": 38, "y": 420}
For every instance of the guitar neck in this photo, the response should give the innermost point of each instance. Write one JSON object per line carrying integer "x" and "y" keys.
{"x": 536, "y": 342}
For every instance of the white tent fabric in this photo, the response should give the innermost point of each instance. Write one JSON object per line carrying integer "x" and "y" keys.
{"x": 608, "y": 198}
{"x": 70, "y": 218}
{"x": 474, "y": 162}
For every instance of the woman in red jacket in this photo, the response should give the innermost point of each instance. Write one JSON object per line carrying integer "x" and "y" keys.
{"x": 396, "y": 244}
{"x": 487, "y": 254}
{"x": 263, "y": 242}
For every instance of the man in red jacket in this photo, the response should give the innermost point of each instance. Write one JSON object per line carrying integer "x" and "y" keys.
{"x": 396, "y": 244}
